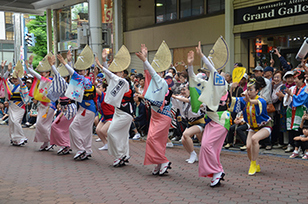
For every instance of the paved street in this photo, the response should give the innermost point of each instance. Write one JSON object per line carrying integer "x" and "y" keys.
{"x": 30, "y": 176}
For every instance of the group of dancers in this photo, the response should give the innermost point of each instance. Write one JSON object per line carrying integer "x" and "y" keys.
{"x": 72, "y": 129}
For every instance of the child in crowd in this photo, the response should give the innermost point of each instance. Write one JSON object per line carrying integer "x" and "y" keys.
{"x": 302, "y": 140}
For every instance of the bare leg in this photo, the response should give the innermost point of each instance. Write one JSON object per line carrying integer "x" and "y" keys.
{"x": 260, "y": 135}
{"x": 186, "y": 138}
{"x": 100, "y": 131}
{"x": 104, "y": 131}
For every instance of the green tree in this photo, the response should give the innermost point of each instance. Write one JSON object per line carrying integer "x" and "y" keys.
{"x": 38, "y": 27}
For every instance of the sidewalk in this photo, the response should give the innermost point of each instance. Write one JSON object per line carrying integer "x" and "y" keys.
{"x": 30, "y": 176}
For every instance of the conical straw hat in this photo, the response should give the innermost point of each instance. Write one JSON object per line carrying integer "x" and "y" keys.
{"x": 121, "y": 61}
{"x": 85, "y": 60}
{"x": 162, "y": 58}
{"x": 219, "y": 54}
{"x": 44, "y": 65}
{"x": 62, "y": 70}
{"x": 18, "y": 68}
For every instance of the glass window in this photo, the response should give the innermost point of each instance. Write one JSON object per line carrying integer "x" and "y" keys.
{"x": 9, "y": 35}
{"x": 70, "y": 19}
{"x": 165, "y": 10}
{"x": 8, "y": 18}
{"x": 191, "y": 8}
{"x": 215, "y": 5}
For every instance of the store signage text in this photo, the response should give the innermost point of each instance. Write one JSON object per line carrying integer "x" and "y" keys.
{"x": 270, "y": 11}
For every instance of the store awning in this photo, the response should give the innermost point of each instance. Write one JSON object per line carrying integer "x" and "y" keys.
{"x": 34, "y": 6}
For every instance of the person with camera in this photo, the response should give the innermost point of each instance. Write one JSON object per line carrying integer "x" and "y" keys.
{"x": 284, "y": 64}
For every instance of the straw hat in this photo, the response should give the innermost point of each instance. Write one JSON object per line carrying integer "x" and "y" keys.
{"x": 219, "y": 54}
{"x": 18, "y": 68}
{"x": 162, "y": 58}
{"x": 85, "y": 60}
{"x": 44, "y": 65}
{"x": 62, "y": 70}
{"x": 121, "y": 61}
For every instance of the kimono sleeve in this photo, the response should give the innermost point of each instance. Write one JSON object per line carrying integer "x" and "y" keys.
{"x": 237, "y": 104}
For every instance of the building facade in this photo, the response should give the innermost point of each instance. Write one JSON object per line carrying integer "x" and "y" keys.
{"x": 181, "y": 23}
{"x": 259, "y": 26}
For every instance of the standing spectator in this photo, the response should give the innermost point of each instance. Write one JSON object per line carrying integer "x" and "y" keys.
{"x": 265, "y": 93}
{"x": 277, "y": 97}
{"x": 295, "y": 111}
{"x": 284, "y": 64}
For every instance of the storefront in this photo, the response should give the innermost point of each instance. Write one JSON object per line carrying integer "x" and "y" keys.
{"x": 259, "y": 27}
{"x": 72, "y": 27}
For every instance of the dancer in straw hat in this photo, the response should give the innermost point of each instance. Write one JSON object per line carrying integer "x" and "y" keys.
{"x": 17, "y": 94}
{"x": 82, "y": 90}
{"x": 156, "y": 91}
{"x": 216, "y": 130}
{"x": 59, "y": 134}
{"x": 118, "y": 94}
{"x": 38, "y": 91}
{"x": 106, "y": 110}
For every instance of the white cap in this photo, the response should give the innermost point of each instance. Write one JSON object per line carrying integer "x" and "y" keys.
{"x": 287, "y": 73}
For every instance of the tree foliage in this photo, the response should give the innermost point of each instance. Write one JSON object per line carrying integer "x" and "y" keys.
{"x": 38, "y": 27}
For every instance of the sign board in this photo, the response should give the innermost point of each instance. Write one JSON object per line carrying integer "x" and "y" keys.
{"x": 274, "y": 10}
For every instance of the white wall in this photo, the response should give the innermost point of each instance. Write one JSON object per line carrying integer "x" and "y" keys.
{"x": 2, "y": 26}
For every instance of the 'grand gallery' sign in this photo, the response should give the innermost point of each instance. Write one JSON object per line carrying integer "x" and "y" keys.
{"x": 270, "y": 11}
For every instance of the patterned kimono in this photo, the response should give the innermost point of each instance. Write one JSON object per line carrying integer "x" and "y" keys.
{"x": 17, "y": 101}
{"x": 82, "y": 125}
{"x": 255, "y": 115}
{"x": 295, "y": 107}
{"x": 46, "y": 109}
{"x": 157, "y": 93}
{"x": 60, "y": 134}
{"x": 213, "y": 93}
{"x": 118, "y": 94}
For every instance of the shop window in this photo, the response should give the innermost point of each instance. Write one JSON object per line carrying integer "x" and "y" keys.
{"x": 70, "y": 19}
{"x": 191, "y": 8}
{"x": 9, "y": 35}
{"x": 165, "y": 10}
{"x": 215, "y": 6}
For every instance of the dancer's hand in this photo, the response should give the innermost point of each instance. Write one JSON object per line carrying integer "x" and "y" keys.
{"x": 3, "y": 64}
{"x": 198, "y": 50}
{"x": 144, "y": 50}
{"x": 10, "y": 66}
{"x": 51, "y": 60}
{"x": 69, "y": 56}
{"x": 61, "y": 59}
{"x": 104, "y": 55}
{"x": 190, "y": 58}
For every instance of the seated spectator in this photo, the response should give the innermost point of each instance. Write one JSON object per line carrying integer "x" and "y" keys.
{"x": 1, "y": 111}
{"x": 33, "y": 114}
{"x": 240, "y": 127}
{"x": 302, "y": 140}
{"x": 5, "y": 118}
{"x": 140, "y": 122}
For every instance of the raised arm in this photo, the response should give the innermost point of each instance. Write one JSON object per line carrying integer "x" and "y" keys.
{"x": 104, "y": 57}
{"x": 142, "y": 55}
{"x": 2, "y": 66}
{"x": 52, "y": 61}
{"x": 106, "y": 71}
{"x": 9, "y": 68}
{"x": 30, "y": 68}
{"x": 204, "y": 58}
{"x": 190, "y": 61}
{"x": 68, "y": 67}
